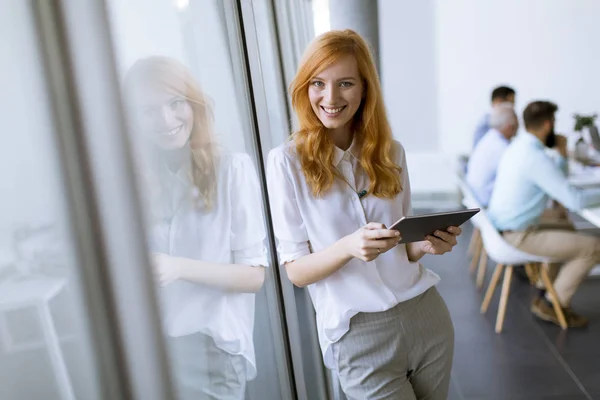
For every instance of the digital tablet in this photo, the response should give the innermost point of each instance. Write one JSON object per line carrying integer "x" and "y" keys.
{"x": 415, "y": 228}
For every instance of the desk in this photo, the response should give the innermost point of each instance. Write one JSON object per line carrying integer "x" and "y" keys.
{"x": 589, "y": 177}
{"x": 584, "y": 178}
{"x": 36, "y": 292}
{"x": 592, "y": 215}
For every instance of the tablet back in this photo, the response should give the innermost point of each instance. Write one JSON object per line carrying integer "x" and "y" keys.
{"x": 417, "y": 227}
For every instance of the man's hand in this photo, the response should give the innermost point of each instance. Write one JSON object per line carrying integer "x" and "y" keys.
{"x": 561, "y": 145}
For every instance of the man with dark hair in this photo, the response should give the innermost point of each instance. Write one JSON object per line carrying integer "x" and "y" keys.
{"x": 501, "y": 94}
{"x": 527, "y": 178}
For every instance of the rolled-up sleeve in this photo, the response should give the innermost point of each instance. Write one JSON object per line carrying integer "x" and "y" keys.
{"x": 290, "y": 231}
{"x": 248, "y": 226}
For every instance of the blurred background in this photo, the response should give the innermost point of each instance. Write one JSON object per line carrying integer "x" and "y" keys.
{"x": 82, "y": 315}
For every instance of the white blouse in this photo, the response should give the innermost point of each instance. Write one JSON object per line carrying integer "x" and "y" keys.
{"x": 231, "y": 232}
{"x": 303, "y": 222}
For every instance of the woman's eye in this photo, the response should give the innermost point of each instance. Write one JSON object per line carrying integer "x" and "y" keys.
{"x": 175, "y": 104}
{"x": 318, "y": 84}
{"x": 346, "y": 84}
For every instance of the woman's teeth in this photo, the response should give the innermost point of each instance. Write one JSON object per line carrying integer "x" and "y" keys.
{"x": 173, "y": 132}
{"x": 332, "y": 110}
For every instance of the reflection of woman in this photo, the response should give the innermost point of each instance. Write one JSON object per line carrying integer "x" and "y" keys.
{"x": 382, "y": 325}
{"x": 207, "y": 233}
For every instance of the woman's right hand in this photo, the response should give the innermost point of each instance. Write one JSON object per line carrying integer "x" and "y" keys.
{"x": 370, "y": 241}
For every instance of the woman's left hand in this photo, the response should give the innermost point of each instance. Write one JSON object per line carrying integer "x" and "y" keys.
{"x": 441, "y": 242}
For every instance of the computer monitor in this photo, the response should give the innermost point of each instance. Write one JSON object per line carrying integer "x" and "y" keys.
{"x": 595, "y": 137}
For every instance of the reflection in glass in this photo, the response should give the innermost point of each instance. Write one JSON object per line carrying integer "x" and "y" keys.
{"x": 206, "y": 231}
{"x": 46, "y": 348}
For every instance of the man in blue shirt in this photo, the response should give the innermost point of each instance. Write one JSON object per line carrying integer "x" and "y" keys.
{"x": 501, "y": 94}
{"x": 527, "y": 178}
{"x": 484, "y": 160}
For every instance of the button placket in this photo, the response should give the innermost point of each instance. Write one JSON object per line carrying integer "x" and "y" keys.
{"x": 346, "y": 170}
{"x": 385, "y": 290}
{"x": 360, "y": 206}
{"x": 177, "y": 202}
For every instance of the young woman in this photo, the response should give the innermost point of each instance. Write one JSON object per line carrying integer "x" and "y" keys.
{"x": 207, "y": 233}
{"x": 383, "y": 327}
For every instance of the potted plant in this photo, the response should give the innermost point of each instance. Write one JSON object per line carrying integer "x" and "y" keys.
{"x": 583, "y": 121}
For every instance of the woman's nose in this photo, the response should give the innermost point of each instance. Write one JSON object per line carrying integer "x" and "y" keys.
{"x": 331, "y": 94}
{"x": 167, "y": 118}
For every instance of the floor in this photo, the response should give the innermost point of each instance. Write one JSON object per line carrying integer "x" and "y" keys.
{"x": 530, "y": 359}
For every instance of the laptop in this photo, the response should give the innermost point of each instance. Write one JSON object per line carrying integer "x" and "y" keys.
{"x": 595, "y": 137}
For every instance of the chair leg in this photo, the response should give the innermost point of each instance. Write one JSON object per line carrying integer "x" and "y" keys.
{"x": 555, "y": 303}
{"x": 481, "y": 270}
{"x": 491, "y": 288}
{"x": 476, "y": 255}
{"x": 504, "y": 298}
{"x": 474, "y": 239}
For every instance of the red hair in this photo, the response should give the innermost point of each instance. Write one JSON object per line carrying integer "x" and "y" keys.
{"x": 171, "y": 76}
{"x": 372, "y": 131}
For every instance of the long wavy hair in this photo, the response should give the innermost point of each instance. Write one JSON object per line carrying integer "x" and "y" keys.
{"x": 370, "y": 125}
{"x": 171, "y": 76}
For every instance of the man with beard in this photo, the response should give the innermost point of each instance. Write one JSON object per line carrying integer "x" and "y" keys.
{"x": 527, "y": 178}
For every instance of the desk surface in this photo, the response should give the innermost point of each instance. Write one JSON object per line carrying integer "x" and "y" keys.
{"x": 590, "y": 177}
{"x": 16, "y": 292}
{"x": 592, "y": 215}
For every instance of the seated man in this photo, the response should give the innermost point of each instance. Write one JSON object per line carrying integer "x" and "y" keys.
{"x": 502, "y": 94}
{"x": 484, "y": 160}
{"x": 527, "y": 177}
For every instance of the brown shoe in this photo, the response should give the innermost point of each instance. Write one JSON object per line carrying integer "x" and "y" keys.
{"x": 542, "y": 309}
{"x": 575, "y": 320}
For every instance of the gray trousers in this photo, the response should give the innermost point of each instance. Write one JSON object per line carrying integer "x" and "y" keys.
{"x": 202, "y": 371}
{"x": 403, "y": 353}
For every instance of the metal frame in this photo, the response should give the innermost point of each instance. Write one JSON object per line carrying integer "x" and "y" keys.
{"x": 240, "y": 19}
{"x": 288, "y": 293}
{"x": 287, "y": 46}
{"x": 102, "y": 197}
{"x": 79, "y": 202}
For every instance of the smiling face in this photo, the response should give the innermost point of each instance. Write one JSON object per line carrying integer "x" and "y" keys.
{"x": 168, "y": 118}
{"x": 336, "y": 93}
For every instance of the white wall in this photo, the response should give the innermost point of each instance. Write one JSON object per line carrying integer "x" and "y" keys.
{"x": 408, "y": 71}
{"x": 544, "y": 49}
{"x": 409, "y": 76}
{"x": 440, "y": 60}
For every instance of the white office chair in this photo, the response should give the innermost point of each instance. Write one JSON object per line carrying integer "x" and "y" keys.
{"x": 469, "y": 201}
{"x": 491, "y": 244}
{"x": 506, "y": 255}
{"x": 476, "y": 248}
